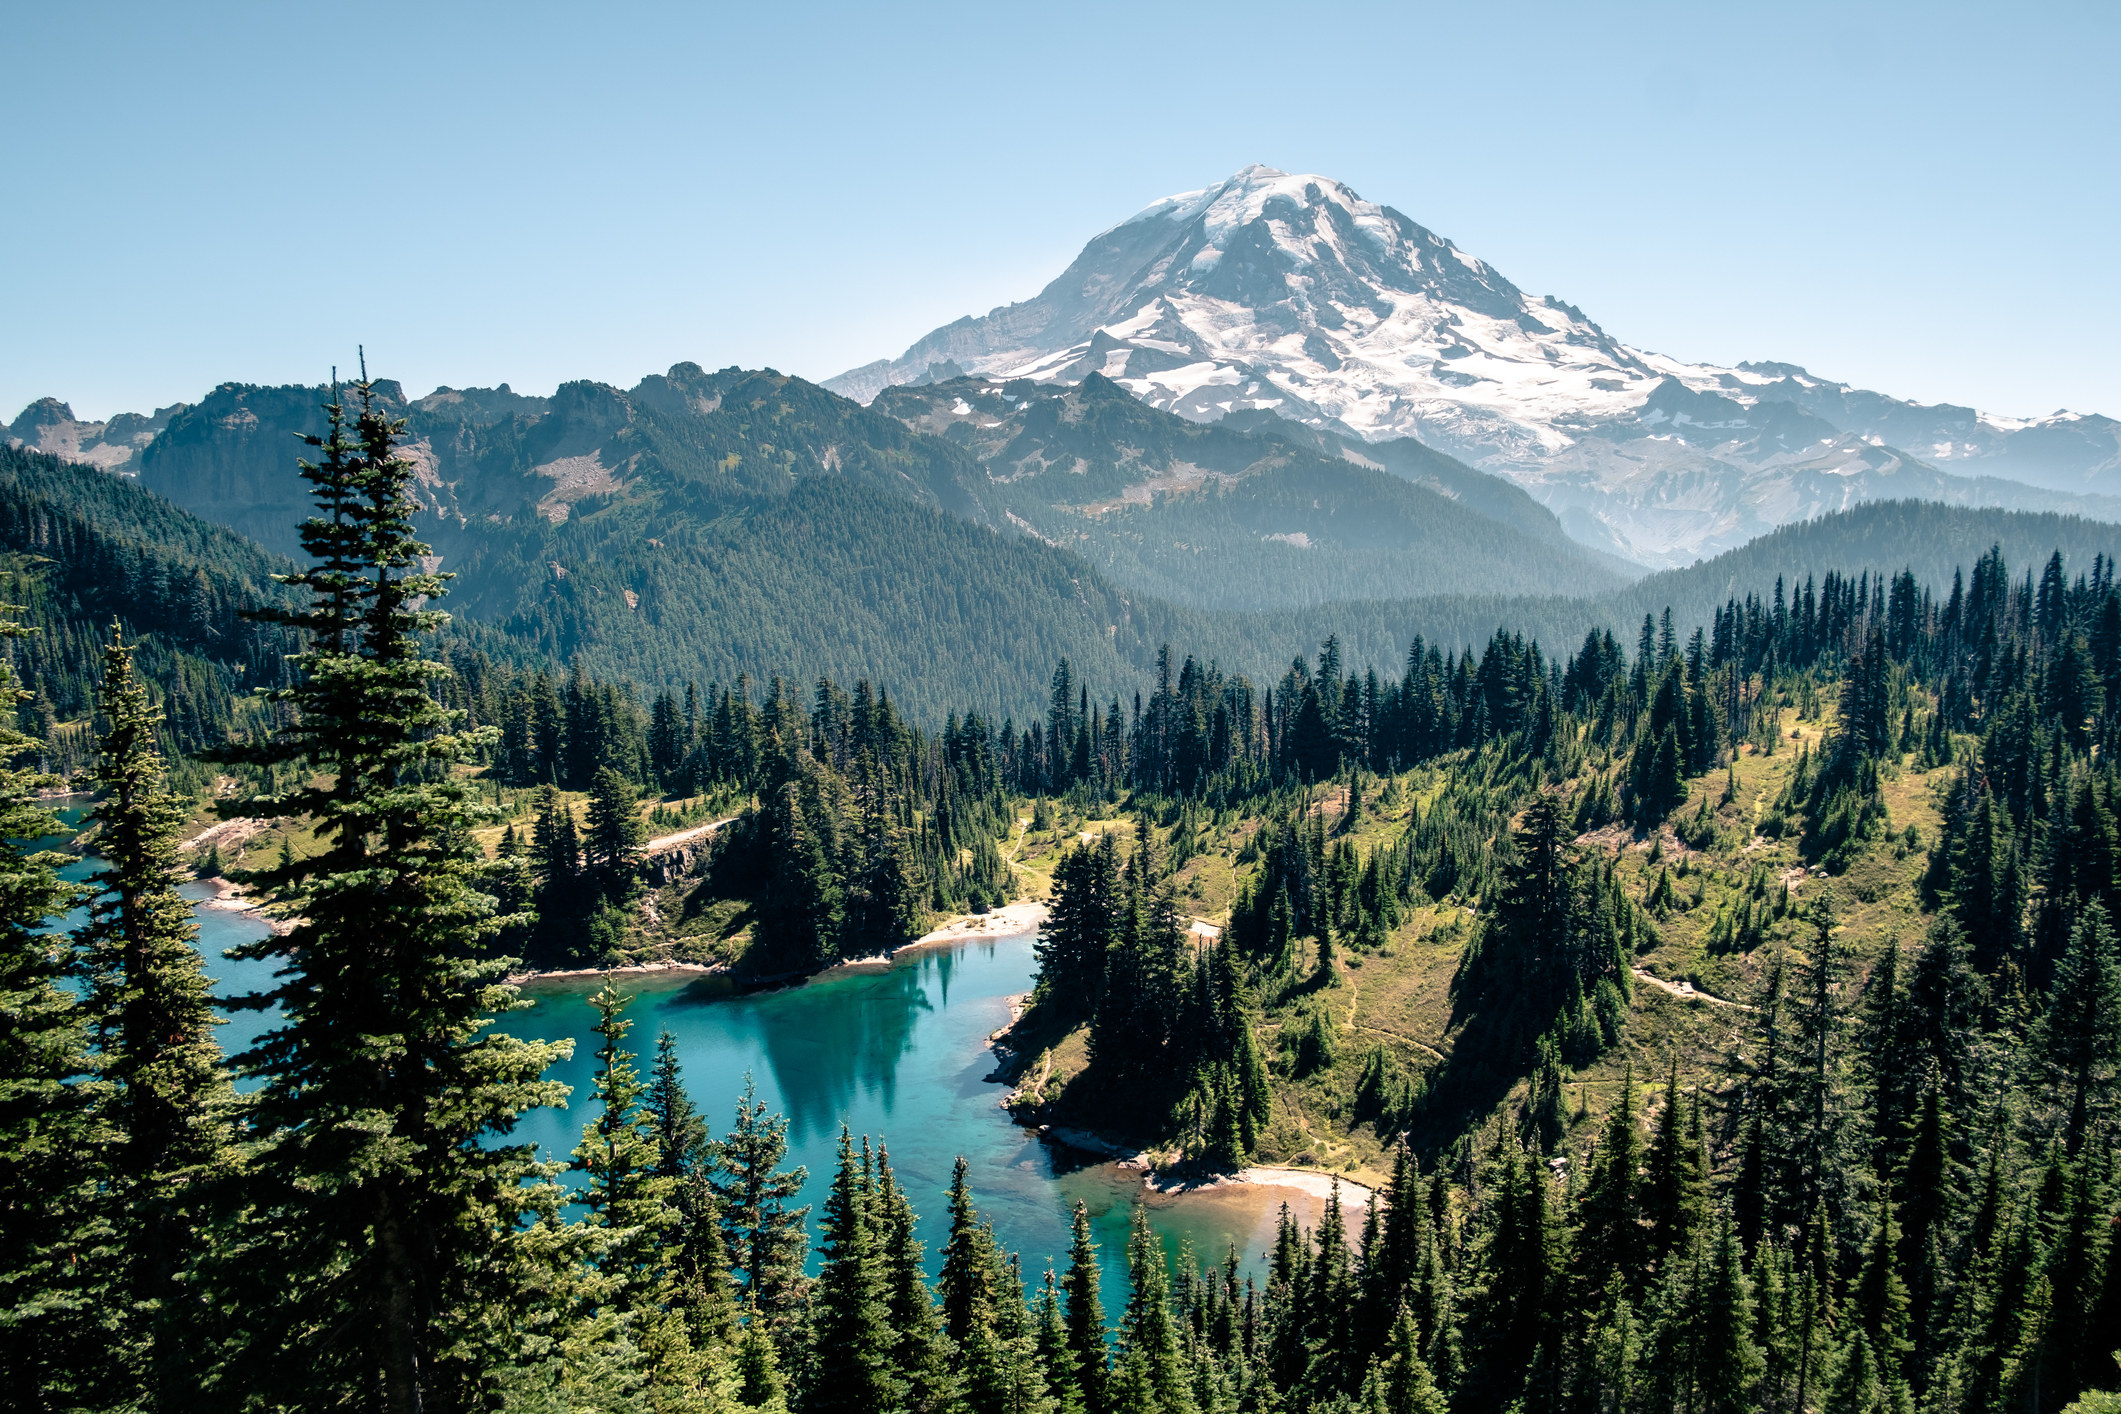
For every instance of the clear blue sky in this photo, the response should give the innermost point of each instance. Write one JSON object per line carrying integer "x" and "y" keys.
{"x": 1917, "y": 198}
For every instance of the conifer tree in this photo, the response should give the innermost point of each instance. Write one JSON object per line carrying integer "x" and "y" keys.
{"x": 2079, "y": 1038}
{"x": 1727, "y": 1362}
{"x": 984, "y": 1313}
{"x": 1858, "y": 1385}
{"x": 802, "y": 913}
{"x": 1079, "y": 928}
{"x": 924, "y": 1356}
{"x": 699, "y": 1259}
{"x": 1812, "y": 1299}
{"x": 681, "y": 1144}
{"x": 701, "y": 1262}
{"x": 1409, "y": 1386}
{"x": 2067, "y": 1355}
{"x": 1150, "y": 1374}
{"x": 627, "y": 1193}
{"x": 856, "y": 1345}
{"x": 1086, "y": 1314}
{"x": 1815, "y": 1171}
{"x": 1510, "y": 1324}
{"x": 1281, "y": 933}
{"x": 383, "y": 1084}
{"x": 1774, "y": 1324}
{"x": 1328, "y": 1309}
{"x": 633, "y": 1215}
{"x": 169, "y": 1105}
{"x": 1884, "y": 1057}
{"x": 1926, "y": 1204}
{"x": 1386, "y": 1280}
{"x": 1288, "y": 1282}
{"x": 1878, "y": 1303}
{"x": 970, "y": 1262}
{"x": 1612, "y": 1354}
{"x": 1610, "y": 1238}
{"x": 556, "y": 845}
{"x": 763, "y": 1235}
{"x": 1056, "y": 1357}
{"x": 1004, "y": 1375}
{"x": 758, "y": 1371}
{"x": 51, "y": 1354}
{"x": 1675, "y": 1199}
{"x": 616, "y": 831}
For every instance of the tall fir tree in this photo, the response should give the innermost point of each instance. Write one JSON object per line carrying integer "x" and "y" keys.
{"x": 53, "y": 1350}
{"x": 404, "y": 1261}
{"x": 1150, "y": 1374}
{"x": 170, "y": 1104}
{"x": 1610, "y": 1239}
{"x": 1086, "y": 1315}
{"x": 681, "y": 1144}
{"x": 857, "y": 1367}
{"x": 763, "y": 1234}
{"x": 925, "y": 1357}
{"x": 616, "y": 832}
{"x": 634, "y": 1216}
{"x": 2079, "y": 1037}
{"x": 1675, "y": 1197}
{"x": 1728, "y": 1363}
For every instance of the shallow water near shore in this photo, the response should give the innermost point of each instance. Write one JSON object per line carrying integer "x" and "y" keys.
{"x": 899, "y": 1051}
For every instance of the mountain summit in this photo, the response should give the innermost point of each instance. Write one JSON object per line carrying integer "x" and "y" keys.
{"x": 1292, "y": 294}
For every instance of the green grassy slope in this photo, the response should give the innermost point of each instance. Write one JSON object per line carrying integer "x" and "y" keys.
{"x": 1394, "y": 1009}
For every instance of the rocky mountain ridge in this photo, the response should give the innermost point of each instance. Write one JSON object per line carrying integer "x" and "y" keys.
{"x": 1253, "y": 514}
{"x": 49, "y": 425}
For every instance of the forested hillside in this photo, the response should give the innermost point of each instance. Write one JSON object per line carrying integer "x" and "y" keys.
{"x": 1732, "y": 1024}
{"x": 85, "y": 549}
{"x": 1251, "y": 514}
{"x": 1877, "y": 539}
{"x": 729, "y": 557}
{"x": 1930, "y": 541}
{"x": 695, "y": 525}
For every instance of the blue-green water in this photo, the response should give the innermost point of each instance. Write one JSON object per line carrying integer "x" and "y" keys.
{"x": 899, "y": 1053}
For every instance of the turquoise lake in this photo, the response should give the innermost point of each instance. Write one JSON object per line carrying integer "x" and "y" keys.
{"x": 897, "y": 1051}
{"x": 900, "y": 1053}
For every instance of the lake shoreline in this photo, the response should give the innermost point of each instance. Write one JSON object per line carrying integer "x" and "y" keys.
{"x": 1313, "y": 1183}
{"x": 1009, "y": 921}
{"x": 229, "y": 897}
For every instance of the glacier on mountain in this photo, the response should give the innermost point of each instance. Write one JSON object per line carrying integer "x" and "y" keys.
{"x": 1292, "y": 294}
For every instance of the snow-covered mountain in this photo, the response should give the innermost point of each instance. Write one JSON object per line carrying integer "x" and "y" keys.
{"x": 1292, "y": 294}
